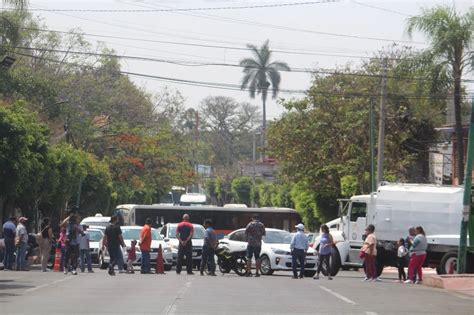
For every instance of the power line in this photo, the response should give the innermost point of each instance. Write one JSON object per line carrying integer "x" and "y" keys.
{"x": 201, "y": 64}
{"x": 381, "y": 9}
{"x": 236, "y": 87}
{"x": 224, "y": 8}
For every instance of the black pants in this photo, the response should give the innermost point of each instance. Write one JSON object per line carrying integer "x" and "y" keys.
{"x": 401, "y": 268}
{"x": 72, "y": 255}
{"x": 300, "y": 255}
{"x": 208, "y": 257}
{"x": 324, "y": 259}
{"x": 188, "y": 252}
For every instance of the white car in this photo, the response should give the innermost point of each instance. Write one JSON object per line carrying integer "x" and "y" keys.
{"x": 276, "y": 253}
{"x": 130, "y": 233}
{"x": 95, "y": 243}
{"x": 169, "y": 234}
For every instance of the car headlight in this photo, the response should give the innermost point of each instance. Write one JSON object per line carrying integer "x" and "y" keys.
{"x": 278, "y": 251}
{"x": 174, "y": 247}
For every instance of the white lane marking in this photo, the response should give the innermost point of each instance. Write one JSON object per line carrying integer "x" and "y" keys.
{"x": 172, "y": 308}
{"x": 36, "y": 288}
{"x": 61, "y": 280}
{"x": 370, "y": 313}
{"x": 339, "y": 296}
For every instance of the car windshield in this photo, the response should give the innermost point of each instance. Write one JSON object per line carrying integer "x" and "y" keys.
{"x": 277, "y": 237}
{"x": 95, "y": 235}
{"x": 198, "y": 232}
{"x": 134, "y": 234}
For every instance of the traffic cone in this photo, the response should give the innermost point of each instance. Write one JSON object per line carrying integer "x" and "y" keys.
{"x": 160, "y": 267}
{"x": 57, "y": 259}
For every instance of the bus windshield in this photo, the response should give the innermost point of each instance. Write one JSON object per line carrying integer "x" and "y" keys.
{"x": 277, "y": 237}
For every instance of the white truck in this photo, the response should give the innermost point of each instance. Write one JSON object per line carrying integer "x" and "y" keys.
{"x": 392, "y": 210}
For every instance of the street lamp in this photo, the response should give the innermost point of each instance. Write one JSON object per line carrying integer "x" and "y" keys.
{"x": 7, "y": 62}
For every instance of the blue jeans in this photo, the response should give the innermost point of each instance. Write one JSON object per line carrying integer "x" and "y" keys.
{"x": 86, "y": 257}
{"x": 145, "y": 267}
{"x": 21, "y": 256}
{"x": 63, "y": 258}
{"x": 300, "y": 255}
{"x": 208, "y": 258}
{"x": 9, "y": 253}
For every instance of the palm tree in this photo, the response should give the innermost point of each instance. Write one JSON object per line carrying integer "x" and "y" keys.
{"x": 260, "y": 74}
{"x": 451, "y": 37}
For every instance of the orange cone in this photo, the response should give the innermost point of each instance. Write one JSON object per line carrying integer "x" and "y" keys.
{"x": 160, "y": 267}
{"x": 57, "y": 259}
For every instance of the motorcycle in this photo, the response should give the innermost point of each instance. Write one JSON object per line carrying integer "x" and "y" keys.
{"x": 228, "y": 260}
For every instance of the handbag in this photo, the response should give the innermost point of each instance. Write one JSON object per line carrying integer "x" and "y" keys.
{"x": 361, "y": 254}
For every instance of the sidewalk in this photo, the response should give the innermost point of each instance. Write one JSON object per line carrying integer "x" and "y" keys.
{"x": 460, "y": 283}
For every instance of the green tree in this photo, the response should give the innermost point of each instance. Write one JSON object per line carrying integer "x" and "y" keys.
{"x": 260, "y": 73}
{"x": 451, "y": 37}
{"x": 241, "y": 188}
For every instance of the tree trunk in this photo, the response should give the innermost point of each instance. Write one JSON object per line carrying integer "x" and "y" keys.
{"x": 264, "y": 121}
{"x": 458, "y": 126}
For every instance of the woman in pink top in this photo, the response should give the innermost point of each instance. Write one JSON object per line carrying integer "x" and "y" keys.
{"x": 62, "y": 245}
{"x": 370, "y": 253}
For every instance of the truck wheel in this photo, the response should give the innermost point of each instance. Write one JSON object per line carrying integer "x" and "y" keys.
{"x": 448, "y": 264}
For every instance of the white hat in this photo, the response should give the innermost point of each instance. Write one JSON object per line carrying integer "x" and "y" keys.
{"x": 300, "y": 227}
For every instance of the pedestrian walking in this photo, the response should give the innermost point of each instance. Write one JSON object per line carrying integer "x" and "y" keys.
{"x": 402, "y": 258}
{"x": 113, "y": 240}
{"x": 325, "y": 248}
{"x": 409, "y": 243}
{"x": 208, "y": 249}
{"x": 184, "y": 233}
{"x": 417, "y": 256}
{"x": 45, "y": 243}
{"x": 131, "y": 256}
{"x": 9, "y": 233}
{"x": 145, "y": 247}
{"x": 62, "y": 246}
{"x": 369, "y": 248}
{"x": 84, "y": 250}
{"x": 299, "y": 246}
{"x": 73, "y": 234}
{"x": 21, "y": 242}
{"x": 254, "y": 232}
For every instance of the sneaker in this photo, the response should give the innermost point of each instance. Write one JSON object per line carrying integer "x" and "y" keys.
{"x": 316, "y": 277}
{"x": 408, "y": 281}
{"x": 365, "y": 279}
{"x": 329, "y": 278}
{"x": 300, "y": 276}
{"x": 178, "y": 273}
{"x": 190, "y": 273}
{"x": 378, "y": 280}
{"x": 111, "y": 272}
{"x": 248, "y": 274}
{"x": 418, "y": 282}
{"x": 257, "y": 275}
{"x": 212, "y": 274}
{"x": 65, "y": 272}
{"x": 74, "y": 272}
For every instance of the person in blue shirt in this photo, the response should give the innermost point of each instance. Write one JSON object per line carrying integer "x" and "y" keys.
{"x": 299, "y": 246}
{"x": 9, "y": 232}
{"x": 208, "y": 249}
{"x": 325, "y": 248}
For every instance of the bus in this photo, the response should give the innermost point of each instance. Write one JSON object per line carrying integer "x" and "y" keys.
{"x": 225, "y": 219}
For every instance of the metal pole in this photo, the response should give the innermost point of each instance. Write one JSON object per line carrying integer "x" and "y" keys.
{"x": 461, "y": 266}
{"x": 373, "y": 184}
{"x": 381, "y": 139}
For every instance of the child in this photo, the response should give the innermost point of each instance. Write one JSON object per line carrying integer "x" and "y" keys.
{"x": 132, "y": 255}
{"x": 402, "y": 255}
{"x": 84, "y": 250}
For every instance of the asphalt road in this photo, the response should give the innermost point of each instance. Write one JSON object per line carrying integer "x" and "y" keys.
{"x": 35, "y": 292}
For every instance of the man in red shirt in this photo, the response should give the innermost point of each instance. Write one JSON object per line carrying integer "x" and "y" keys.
{"x": 184, "y": 233}
{"x": 145, "y": 245}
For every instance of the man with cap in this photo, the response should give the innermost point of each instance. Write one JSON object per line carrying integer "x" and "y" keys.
{"x": 21, "y": 242}
{"x": 299, "y": 246}
{"x": 9, "y": 232}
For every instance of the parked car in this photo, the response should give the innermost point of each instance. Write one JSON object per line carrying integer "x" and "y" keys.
{"x": 130, "y": 233}
{"x": 95, "y": 243}
{"x": 276, "y": 253}
{"x": 169, "y": 234}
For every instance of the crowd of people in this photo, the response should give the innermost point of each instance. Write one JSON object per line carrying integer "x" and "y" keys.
{"x": 73, "y": 242}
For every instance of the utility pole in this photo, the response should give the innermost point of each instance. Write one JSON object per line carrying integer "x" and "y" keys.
{"x": 466, "y": 213}
{"x": 373, "y": 184}
{"x": 382, "y": 114}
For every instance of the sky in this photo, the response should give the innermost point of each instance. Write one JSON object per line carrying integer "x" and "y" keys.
{"x": 328, "y": 34}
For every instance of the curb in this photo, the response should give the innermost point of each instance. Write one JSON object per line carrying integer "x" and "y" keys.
{"x": 462, "y": 283}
